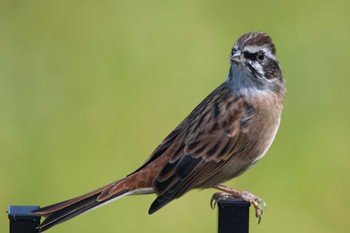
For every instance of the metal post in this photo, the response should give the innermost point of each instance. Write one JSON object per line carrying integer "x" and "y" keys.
{"x": 233, "y": 216}
{"x": 22, "y": 220}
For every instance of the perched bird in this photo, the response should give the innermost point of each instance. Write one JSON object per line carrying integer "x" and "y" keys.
{"x": 228, "y": 132}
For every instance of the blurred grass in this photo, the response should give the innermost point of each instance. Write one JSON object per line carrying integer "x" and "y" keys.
{"x": 89, "y": 88}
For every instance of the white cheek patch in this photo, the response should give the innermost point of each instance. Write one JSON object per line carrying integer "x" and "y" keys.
{"x": 258, "y": 68}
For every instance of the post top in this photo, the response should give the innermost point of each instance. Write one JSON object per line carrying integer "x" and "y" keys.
{"x": 22, "y": 212}
{"x": 233, "y": 203}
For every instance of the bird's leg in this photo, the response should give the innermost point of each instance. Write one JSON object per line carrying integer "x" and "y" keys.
{"x": 245, "y": 195}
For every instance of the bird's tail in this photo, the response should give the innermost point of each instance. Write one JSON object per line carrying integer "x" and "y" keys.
{"x": 63, "y": 211}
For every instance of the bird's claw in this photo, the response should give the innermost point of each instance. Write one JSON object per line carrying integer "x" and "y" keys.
{"x": 219, "y": 197}
{"x": 257, "y": 202}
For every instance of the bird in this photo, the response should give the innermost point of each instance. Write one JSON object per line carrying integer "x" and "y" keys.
{"x": 227, "y": 133}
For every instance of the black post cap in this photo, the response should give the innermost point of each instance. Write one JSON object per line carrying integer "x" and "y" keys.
{"x": 22, "y": 220}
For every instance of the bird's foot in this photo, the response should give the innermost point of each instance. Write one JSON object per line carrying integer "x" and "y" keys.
{"x": 230, "y": 193}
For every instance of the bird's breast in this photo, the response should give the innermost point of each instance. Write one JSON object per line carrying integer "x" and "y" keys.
{"x": 255, "y": 139}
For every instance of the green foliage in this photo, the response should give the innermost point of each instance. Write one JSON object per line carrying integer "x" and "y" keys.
{"x": 89, "y": 88}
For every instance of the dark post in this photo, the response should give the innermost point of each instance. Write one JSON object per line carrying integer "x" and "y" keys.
{"x": 22, "y": 220}
{"x": 233, "y": 216}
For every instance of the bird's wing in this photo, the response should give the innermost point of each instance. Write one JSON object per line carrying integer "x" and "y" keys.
{"x": 205, "y": 141}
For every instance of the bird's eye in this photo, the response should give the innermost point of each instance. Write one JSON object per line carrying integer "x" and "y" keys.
{"x": 260, "y": 56}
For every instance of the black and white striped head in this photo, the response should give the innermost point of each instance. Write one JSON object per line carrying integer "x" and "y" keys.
{"x": 254, "y": 62}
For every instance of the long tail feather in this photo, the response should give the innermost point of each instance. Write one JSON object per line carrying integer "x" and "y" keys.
{"x": 63, "y": 211}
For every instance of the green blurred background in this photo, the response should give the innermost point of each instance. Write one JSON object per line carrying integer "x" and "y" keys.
{"x": 89, "y": 88}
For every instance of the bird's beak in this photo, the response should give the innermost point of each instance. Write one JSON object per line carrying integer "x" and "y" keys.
{"x": 237, "y": 57}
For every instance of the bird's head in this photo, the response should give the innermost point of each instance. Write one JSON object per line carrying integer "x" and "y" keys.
{"x": 254, "y": 64}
